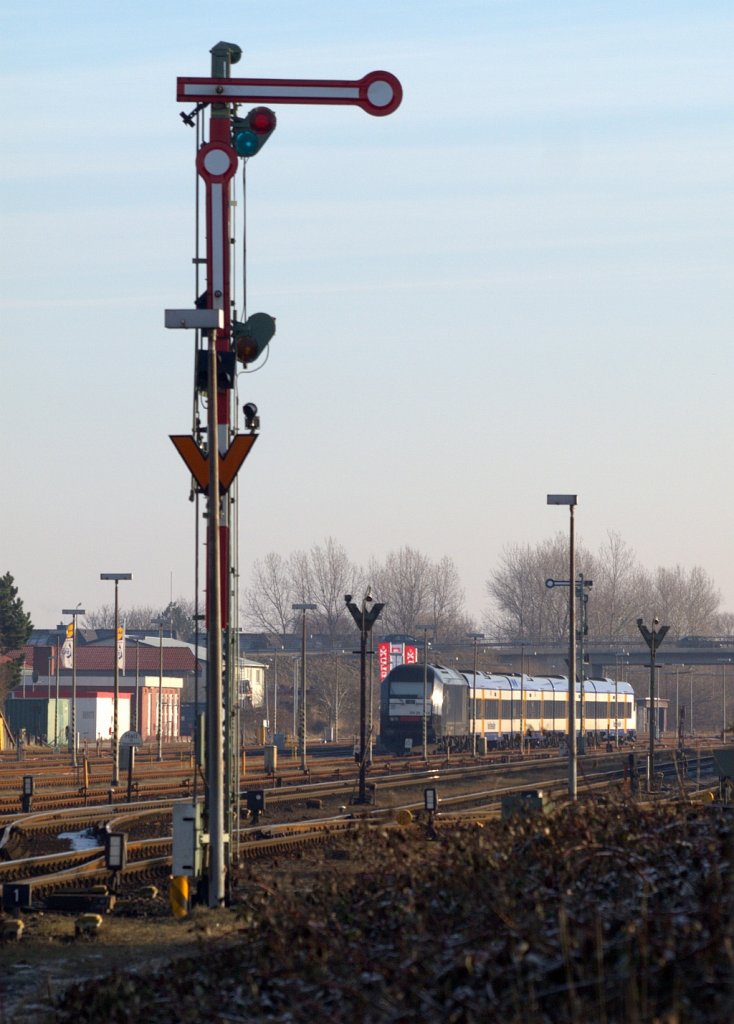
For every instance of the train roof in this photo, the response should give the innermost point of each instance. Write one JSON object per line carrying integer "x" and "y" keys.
{"x": 502, "y": 680}
{"x": 414, "y": 672}
{"x": 507, "y": 681}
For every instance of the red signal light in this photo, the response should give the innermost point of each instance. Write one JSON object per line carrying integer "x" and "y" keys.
{"x": 262, "y": 120}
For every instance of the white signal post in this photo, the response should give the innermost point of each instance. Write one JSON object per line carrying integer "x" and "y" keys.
{"x": 378, "y": 93}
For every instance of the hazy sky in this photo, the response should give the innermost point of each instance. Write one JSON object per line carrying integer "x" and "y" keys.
{"x": 520, "y": 282}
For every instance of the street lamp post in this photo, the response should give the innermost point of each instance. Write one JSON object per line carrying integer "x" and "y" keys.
{"x": 137, "y": 685}
{"x": 723, "y": 700}
{"x": 275, "y": 695}
{"x": 59, "y": 634}
{"x": 475, "y": 637}
{"x": 677, "y": 702}
{"x": 303, "y": 607}
{"x": 116, "y": 577}
{"x": 653, "y": 638}
{"x": 522, "y": 699}
{"x": 296, "y": 671}
{"x": 680, "y": 711}
{"x": 74, "y": 612}
{"x": 159, "y": 716}
{"x": 425, "y": 627}
{"x": 571, "y": 500}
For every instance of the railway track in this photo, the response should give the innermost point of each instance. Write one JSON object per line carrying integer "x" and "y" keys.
{"x": 475, "y": 789}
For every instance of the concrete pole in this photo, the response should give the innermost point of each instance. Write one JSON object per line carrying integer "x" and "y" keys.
{"x": 302, "y": 710}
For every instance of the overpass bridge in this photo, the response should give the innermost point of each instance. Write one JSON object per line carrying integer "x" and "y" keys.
{"x": 607, "y": 658}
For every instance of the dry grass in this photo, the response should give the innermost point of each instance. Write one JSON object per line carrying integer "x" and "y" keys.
{"x": 614, "y": 914}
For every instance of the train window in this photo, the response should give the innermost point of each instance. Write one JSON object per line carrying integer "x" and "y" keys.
{"x": 620, "y": 709}
{"x": 414, "y": 690}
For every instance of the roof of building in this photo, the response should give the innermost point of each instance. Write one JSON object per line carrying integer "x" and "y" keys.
{"x": 93, "y": 658}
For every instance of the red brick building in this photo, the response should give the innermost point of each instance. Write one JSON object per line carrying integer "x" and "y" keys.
{"x": 154, "y": 676}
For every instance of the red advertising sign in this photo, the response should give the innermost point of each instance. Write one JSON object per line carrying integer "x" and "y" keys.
{"x": 383, "y": 658}
{"x": 389, "y": 655}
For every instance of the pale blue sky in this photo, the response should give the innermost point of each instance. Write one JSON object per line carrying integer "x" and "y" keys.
{"x": 520, "y": 282}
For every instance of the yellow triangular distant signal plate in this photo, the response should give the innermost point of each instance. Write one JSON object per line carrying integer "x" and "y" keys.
{"x": 198, "y": 462}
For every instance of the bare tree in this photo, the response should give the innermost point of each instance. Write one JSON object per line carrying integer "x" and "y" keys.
{"x": 334, "y": 692}
{"x": 686, "y": 600}
{"x": 724, "y": 624}
{"x": 620, "y": 589}
{"x": 331, "y": 576}
{"x": 524, "y": 608}
{"x": 267, "y": 603}
{"x": 135, "y": 617}
{"x": 403, "y": 583}
{"x": 448, "y": 614}
{"x": 299, "y": 571}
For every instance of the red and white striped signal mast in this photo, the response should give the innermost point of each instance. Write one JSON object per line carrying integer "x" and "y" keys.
{"x": 230, "y": 137}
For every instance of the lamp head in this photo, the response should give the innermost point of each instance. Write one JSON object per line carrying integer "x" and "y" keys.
{"x": 252, "y": 420}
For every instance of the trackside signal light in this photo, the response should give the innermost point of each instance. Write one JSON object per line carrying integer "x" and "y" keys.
{"x": 252, "y": 337}
{"x": 249, "y": 134}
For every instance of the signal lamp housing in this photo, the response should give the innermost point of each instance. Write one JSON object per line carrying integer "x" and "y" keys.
{"x": 249, "y": 134}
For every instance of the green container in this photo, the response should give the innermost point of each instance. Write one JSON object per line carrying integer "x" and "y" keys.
{"x": 37, "y": 716}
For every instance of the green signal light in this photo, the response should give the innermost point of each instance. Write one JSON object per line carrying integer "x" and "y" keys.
{"x": 246, "y": 143}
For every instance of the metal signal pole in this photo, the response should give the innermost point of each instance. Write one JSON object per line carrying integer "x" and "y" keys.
{"x": 303, "y": 607}
{"x": 364, "y": 620}
{"x": 653, "y": 638}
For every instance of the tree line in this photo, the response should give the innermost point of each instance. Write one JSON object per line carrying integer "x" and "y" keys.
{"x": 523, "y": 607}
{"x": 415, "y": 590}
{"x": 419, "y": 592}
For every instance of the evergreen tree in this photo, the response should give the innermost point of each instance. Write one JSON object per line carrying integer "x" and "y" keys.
{"x": 15, "y": 628}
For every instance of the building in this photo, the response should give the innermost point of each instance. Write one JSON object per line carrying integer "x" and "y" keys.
{"x": 155, "y": 671}
{"x": 154, "y": 675}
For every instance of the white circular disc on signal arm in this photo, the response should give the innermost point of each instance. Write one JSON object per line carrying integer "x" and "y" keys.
{"x": 380, "y": 93}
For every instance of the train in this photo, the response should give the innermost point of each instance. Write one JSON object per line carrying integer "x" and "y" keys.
{"x": 508, "y": 707}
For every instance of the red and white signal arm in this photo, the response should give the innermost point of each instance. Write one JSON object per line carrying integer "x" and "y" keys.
{"x": 378, "y": 93}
